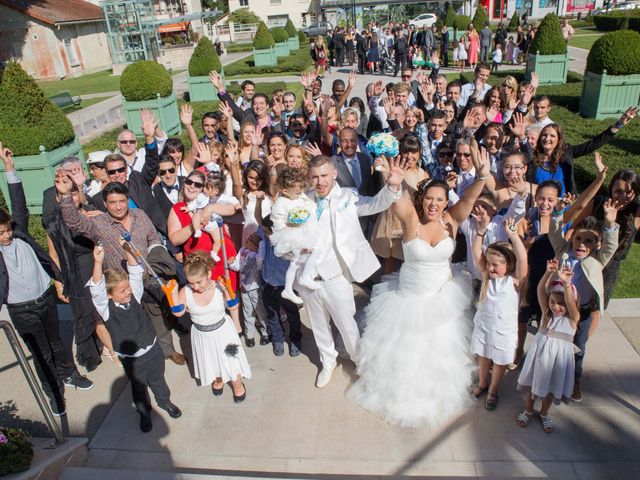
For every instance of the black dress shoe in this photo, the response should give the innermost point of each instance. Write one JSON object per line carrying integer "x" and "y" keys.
{"x": 172, "y": 410}
{"x": 264, "y": 340}
{"x": 250, "y": 342}
{"x": 217, "y": 391}
{"x": 145, "y": 423}
{"x": 240, "y": 398}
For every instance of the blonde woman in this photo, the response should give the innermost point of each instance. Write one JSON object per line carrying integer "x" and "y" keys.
{"x": 321, "y": 56}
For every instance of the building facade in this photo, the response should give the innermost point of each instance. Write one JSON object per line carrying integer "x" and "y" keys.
{"x": 275, "y": 13}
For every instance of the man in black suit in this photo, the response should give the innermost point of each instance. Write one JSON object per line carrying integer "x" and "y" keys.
{"x": 26, "y": 271}
{"x": 338, "y": 41}
{"x": 361, "y": 52}
{"x": 166, "y": 191}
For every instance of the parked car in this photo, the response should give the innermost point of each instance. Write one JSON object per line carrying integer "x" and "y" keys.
{"x": 424, "y": 20}
{"x": 318, "y": 28}
{"x": 618, "y": 7}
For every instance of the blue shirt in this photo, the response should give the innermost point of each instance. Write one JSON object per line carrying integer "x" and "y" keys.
{"x": 543, "y": 174}
{"x": 274, "y": 268}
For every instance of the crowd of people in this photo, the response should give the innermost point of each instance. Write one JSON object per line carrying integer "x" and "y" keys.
{"x": 410, "y": 46}
{"x": 280, "y": 205}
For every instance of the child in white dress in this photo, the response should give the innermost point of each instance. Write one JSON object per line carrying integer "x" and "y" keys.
{"x": 462, "y": 53}
{"x": 495, "y": 332}
{"x": 295, "y": 231}
{"x": 548, "y": 371}
{"x": 218, "y": 356}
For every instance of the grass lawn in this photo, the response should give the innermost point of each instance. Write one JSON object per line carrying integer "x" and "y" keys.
{"x": 93, "y": 83}
{"x": 583, "y": 41}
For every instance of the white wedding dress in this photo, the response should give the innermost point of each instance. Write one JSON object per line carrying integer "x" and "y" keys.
{"x": 413, "y": 360}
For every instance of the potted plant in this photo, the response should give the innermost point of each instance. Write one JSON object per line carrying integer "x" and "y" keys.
{"x": 264, "y": 54}
{"x": 147, "y": 84}
{"x": 611, "y": 83}
{"x": 460, "y": 25}
{"x": 203, "y": 60}
{"x": 294, "y": 43}
{"x": 480, "y": 18}
{"x": 514, "y": 23}
{"x": 548, "y": 55}
{"x": 281, "y": 37}
{"x": 37, "y": 132}
{"x": 16, "y": 451}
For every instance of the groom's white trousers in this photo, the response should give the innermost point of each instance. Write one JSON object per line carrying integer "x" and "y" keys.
{"x": 333, "y": 300}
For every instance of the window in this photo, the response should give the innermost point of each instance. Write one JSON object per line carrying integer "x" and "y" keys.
{"x": 244, "y": 3}
{"x": 71, "y": 53}
{"x": 277, "y": 20}
{"x": 275, "y": 2}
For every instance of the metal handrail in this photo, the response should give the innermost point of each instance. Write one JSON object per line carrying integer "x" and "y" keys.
{"x": 33, "y": 382}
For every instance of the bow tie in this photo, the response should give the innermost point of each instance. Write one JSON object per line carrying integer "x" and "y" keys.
{"x": 175, "y": 187}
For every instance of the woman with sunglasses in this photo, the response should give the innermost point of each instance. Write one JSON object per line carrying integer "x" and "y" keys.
{"x": 182, "y": 224}
{"x": 97, "y": 171}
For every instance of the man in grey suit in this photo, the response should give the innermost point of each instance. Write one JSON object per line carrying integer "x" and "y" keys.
{"x": 354, "y": 168}
{"x": 485, "y": 43}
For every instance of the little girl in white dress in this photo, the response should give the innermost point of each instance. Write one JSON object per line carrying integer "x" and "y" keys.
{"x": 295, "y": 231}
{"x": 495, "y": 332}
{"x": 548, "y": 371}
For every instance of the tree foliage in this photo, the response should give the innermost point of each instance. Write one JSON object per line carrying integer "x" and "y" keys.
{"x": 263, "y": 38}
{"x": 549, "y": 39}
{"x": 144, "y": 80}
{"x": 480, "y": 18}
{"x": 204, "y": 59}
{"x": 615, "y": 52}
{"x": 290, "y": 28}
{"x": 243, "y": 16}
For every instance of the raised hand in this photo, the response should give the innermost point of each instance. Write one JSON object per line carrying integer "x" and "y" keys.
{"x": 629, "y": 115}
{"x": 452, "y": 179}
{"x": 378, "y": 88}
{"x": 481, "y": 217}
{"x": 312, "y": 149}
{"x": 231, "y": 151}
{"x": 7, "y": 158}
{"x": 519, "y": 185}
{"x": 552, "y": 265}
{"x": 226, "y": 109}
{"x": 387, "y": 103}
{"x": 492, "y": 113}
{"x": 98, "y": 254}
{"x": 527, "y": 95}
{"x": 186, "y": 114}
{"x": 480, "y": 159}
{"x": 511, "y": 227}
{"x": 204, "y": 154}
{"x": 352, "y": 79}
{"x": 277, "y": 108}
{"x": 63, "y": 183}
{"x": 611, "y": 208}
{"x": 216, "y": 80}
{"x": 397, "y": 170}
{"x": 566, "y": 274}
{"x": 518, "y": 126}
{"x": 600, "y": 167}
{"x": 149, "y": 123}
{"x": 535, "y": 81}
{"x": 257, "y": 138}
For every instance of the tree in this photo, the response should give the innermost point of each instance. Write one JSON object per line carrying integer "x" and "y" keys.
{"x": 549, "y": 39}
{"x": 243, "y": 16}
{"x": 263, "y": 38}
{"x": 480, "y": 18}
{"x": 204, "y": 59}
{"x": 514, "y": 23}
{"x": 450, "y": 17}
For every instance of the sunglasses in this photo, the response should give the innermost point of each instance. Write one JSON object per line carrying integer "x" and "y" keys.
{"x": 130, "y": 142}
{"x": 190, "y": 182}
{"x": 117, "y": 170}
{"x": 171, "y": 170}
{"x": 99, "y": 165}
{"x": 466, "y": 155}
{"x": 445, "y": 154}
{"x": 405, "y": 76}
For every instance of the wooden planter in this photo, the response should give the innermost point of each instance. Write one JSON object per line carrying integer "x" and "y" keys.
{"x": 164, "y": 109}
{"x": 201, "y": 89}
{"x": 608, "y": 95}
{"x": 294, "y": 43}
{"x": 282, "y": 49}
{"x": 37, "y": 172}
{"x": 551, "y": 69}
{"x": 265, "y": 57}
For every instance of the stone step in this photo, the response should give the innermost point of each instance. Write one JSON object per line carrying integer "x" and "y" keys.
{"x": 85, "y": 473}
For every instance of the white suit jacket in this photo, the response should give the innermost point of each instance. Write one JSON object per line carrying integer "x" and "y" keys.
{"x": 343, "y": 249}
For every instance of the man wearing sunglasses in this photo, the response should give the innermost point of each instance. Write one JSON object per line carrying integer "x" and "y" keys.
{"x": 127, "y": 146}
{"x": 167, "y": 189}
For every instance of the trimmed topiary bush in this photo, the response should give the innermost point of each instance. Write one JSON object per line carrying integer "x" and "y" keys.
{"x": 513, "y": 23}
{"x": 615, "y": 52}
{"x": 290, "y": 28}
{"x": 279, "y": 34}
{"x": 302, "y": 37}
{"x": 450, "y": 17}
{"x": 461, "y": 23}
{"x": 204, "y": 59}
{"x": 263, "y": 38}
{"x": 629, "y": 19}
{"x": 480, "y": 18}
{"x": 28, "y": 118}
{"x": 549, "y": 39}
{"x": 144, "y": 80}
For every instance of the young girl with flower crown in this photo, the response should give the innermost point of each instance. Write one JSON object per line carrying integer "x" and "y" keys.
{"x": 548, "y": 371}
{"x": 495, "y": 332}
{"x": 295, "y": 229}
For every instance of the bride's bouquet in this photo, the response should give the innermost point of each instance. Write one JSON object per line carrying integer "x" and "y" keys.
{"x": 383, "y": 144}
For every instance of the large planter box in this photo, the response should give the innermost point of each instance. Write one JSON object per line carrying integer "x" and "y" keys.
{"x": 265, "y": 57}
{"x": 551, "y": 69}
{"x": 282, "y": 49}
{"x": 37, "y": 172}
{"x": 201, "y": 89}
{"x": 294, "y": 43}
{"x": 164, "y": 109}
{"x": 608, "y": 95}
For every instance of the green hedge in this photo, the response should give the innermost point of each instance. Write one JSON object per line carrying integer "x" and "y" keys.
{"x": 514, "y": 22}
{"x": 239, "y": 47}
{"x": 549, "y": 39}
{"x": 480, "y": 18}
{"x": 302, "y": 38}
{"x": 290, "y": 28}
{"x": 263, "y": 38}
{"x": 450, "y": 17}
{"x": 279, "y": 34}
{"x": 144, "y": 80}
{"x": 461, "y": 23}
{"x": 204, "y": 59}
{"x": 615, "y": 52}
{"x": 28, "y": 118}
{"x": 610, "y": 22}
{"x": 298, "y": 61}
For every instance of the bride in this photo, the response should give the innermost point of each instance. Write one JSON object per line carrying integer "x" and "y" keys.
{"x": 414, "y": 366}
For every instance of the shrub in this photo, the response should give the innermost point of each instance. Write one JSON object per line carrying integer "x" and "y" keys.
{"x": 16, "y": 451}
{"x": 461, "y": 23}
{"x": 204, "y": 59}
{"x": 549, "y": 39}
{"x": 28, "y": 118}
{"x": 480, "y": 18}
{"x": 290, "y": 28}
{"x": 279, "y": 34}
{"x": 263, "y": 38}
{"x": 239, "y": 47}
{"x": 618, "y": 21}
{"x": 144, "y": 80}
{"x": 615, "y": 52}
{"x": 302, "y": 38}
{"x": 298, "y": 61}
{"x": 450, "y": 17}
{"x": 513, "y": 23}
{"x": 244, "y": 16}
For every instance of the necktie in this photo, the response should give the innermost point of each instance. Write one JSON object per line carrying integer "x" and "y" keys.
{"x": 319, "y": 206}
{"x": 125, "y": 306}
{"x": 355, "y": 172}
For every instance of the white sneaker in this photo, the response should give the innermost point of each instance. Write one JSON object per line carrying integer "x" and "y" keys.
{"x": 289, "y": 295}
{"x": 324, "y": 377}
{"x": 309, "y": 283}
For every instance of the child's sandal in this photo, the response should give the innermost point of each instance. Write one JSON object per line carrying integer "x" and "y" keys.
{"x": 477, "y": 390}
{"x": 523, "y": 418}
{"x": 547, "y": 424}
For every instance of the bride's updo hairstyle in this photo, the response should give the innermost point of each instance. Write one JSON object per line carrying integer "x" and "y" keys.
{"x": 423, "y": 187}
{"x": 197, "y": 264}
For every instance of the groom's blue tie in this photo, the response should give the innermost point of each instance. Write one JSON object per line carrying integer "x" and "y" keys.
{"x": 320, "y": 201}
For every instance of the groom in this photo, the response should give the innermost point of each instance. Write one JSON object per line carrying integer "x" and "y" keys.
{"x": 344, "y": 256}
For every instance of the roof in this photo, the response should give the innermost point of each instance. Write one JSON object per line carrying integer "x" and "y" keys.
{"x": 56, "y": 12}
